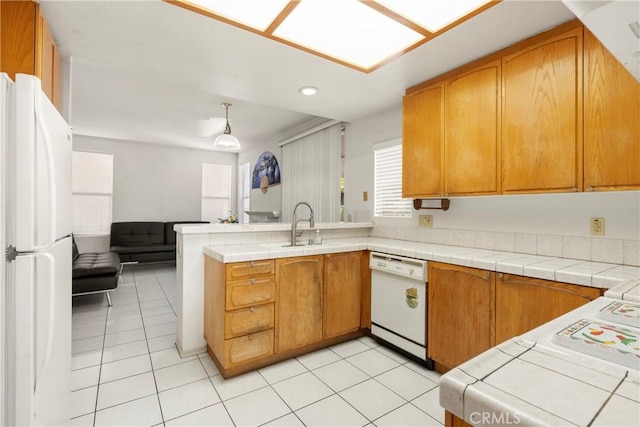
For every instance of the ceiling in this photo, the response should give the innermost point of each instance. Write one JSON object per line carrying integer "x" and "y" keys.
{"x": 149, "y": 71}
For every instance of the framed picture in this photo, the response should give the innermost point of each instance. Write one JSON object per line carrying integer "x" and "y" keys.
{"x": 266, "y": 172}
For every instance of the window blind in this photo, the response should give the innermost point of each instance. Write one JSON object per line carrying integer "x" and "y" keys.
{"x": 92, "y": 187}
{"x": 311, "y": 170}
{"x": 388, "y": 201}
{"x": 216, "y": 192}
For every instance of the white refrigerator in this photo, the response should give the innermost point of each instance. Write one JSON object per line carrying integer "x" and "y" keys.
{"x": 36, "y": 275}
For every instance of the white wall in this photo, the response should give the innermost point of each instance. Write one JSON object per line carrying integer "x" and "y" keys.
{"x": 557, "y": 214}
{"x": 155, "y": 182}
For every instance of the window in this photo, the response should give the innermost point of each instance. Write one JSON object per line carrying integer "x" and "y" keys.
{"x": 216, "y": 192}
{"x": 92, "y": 186}
{"x": 388, "y": 201}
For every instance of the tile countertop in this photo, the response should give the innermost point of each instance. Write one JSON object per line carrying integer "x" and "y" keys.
{"x": 530, "y": 380}
{"x": 579, "y": 272}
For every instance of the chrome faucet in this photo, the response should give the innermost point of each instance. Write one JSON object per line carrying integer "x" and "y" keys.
{"x": 294, "y": 222}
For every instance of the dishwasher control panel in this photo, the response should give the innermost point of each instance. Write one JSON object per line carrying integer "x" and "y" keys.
{"x": 398, "y": 265}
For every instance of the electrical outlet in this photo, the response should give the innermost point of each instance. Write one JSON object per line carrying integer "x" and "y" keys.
{"x": 597, "y": 226}
{"x": 426, "y": 221}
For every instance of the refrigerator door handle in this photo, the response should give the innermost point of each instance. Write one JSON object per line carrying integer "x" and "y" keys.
{"x": 51, "y": 261}
{"x": 39, "y": 116}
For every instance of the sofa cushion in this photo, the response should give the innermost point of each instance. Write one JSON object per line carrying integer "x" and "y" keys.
{"x": 93, "y": 264}
{"x": 142, "y": 248}
{"x": 75, "y": 253}
{"x": 137, "y": 233}
{"x": 170, "y": 235}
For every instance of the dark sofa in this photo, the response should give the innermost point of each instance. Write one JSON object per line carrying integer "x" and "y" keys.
{"x": 93, "y": 273}
{"x": 145, "y": 241}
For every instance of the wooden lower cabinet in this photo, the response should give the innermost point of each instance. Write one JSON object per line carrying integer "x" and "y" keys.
{"x": 524, "y": 303}
{"x": 238, "y": 319}
{"x": 342, "y": 294}
{"x": 248, "y": 347}
{"x": 298, "y": 302}
{"x": 461, "y": 313}
{"x": 472, "y": 310}
{"x": 262, "y": 312}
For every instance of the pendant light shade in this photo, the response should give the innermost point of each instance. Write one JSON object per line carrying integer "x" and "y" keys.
{"x": 226, "y": 140}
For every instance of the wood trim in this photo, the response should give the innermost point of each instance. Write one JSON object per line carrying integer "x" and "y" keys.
{"x": 554, "y": 32}
{"x": 284, "y": 13}
{"x": 398, "y": 18}
{"x": 365, "y": 276}
{"x": 214, "y": 304}
{"x": 268, "y": 33}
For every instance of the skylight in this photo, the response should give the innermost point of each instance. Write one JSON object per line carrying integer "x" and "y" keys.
{"x": 361, "y": 34}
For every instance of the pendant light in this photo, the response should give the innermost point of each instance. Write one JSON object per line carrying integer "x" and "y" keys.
{"x": 226, "y": 140}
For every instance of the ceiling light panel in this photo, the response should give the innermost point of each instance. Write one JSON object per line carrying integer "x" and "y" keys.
{"x": 252, "y": 13}
{"x": 346, "y": 30}
{"x": 433, "y": 15}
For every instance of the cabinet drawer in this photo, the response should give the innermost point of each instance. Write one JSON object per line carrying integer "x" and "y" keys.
{"x": 248, "y": 347}
{"x": 254, "y": 291}
{"x": 248, "y": 320}
{"x": 242, "y": 270}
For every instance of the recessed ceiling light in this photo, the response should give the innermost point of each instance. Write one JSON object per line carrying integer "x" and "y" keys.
{"x": 308, "y": 90}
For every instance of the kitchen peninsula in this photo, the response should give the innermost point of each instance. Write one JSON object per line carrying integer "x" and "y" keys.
{"x": 228, "y": 245}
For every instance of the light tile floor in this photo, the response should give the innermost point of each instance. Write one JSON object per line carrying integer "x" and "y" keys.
{"x": 127, "y": 372}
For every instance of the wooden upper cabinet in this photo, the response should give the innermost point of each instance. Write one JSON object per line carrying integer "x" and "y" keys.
{"x": 611, "y": 121}
{"x": 342, "y": 293}
{"x": 524, "y": 303}
{"x": 472, "y": 132}
{"x": 28, "y": 47}
{"x": 422, "y": 133}
{"x": 298, "y": 302}
{"x": 542, "y": 116}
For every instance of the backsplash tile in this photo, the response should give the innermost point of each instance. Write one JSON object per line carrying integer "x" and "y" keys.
{"x": 549, "y": 245}
{"x": 615, "y": 251}
{"x": 576, "y": 247}
{"x": 526, "y": 243}
{"x": 485, "y": 239}
{"x": 631, "y": 252}
{"x": 607, "y": 250}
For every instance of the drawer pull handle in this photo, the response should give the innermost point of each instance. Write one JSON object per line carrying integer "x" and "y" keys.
{"x": 252, "y": 281}
{"x": 250, "y": 263}
{"x": 252, "y": 309}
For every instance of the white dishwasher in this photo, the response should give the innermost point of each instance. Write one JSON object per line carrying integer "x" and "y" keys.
{"x": 399, "y": 304}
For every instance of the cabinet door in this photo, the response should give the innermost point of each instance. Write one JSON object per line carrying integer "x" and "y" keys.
{"x": 472, "y": 132}
{"x": 298, "y": 302}
{"x": 47, "y": 66}
{"x": 523, "y": 303}
{"x": 542, "y": 117}
{"x": 249, "y": 269}
{"x": 342, "y": 294}
{"x": 460, "y": 313}
{"x": 248, "y": 292}
{"x": 18, "y": 37}
{"x": 611, "y": 121}
{"x": 422, "y": 131}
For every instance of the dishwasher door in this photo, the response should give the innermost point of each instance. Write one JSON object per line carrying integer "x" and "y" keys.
{"x": 399, "y": 311}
